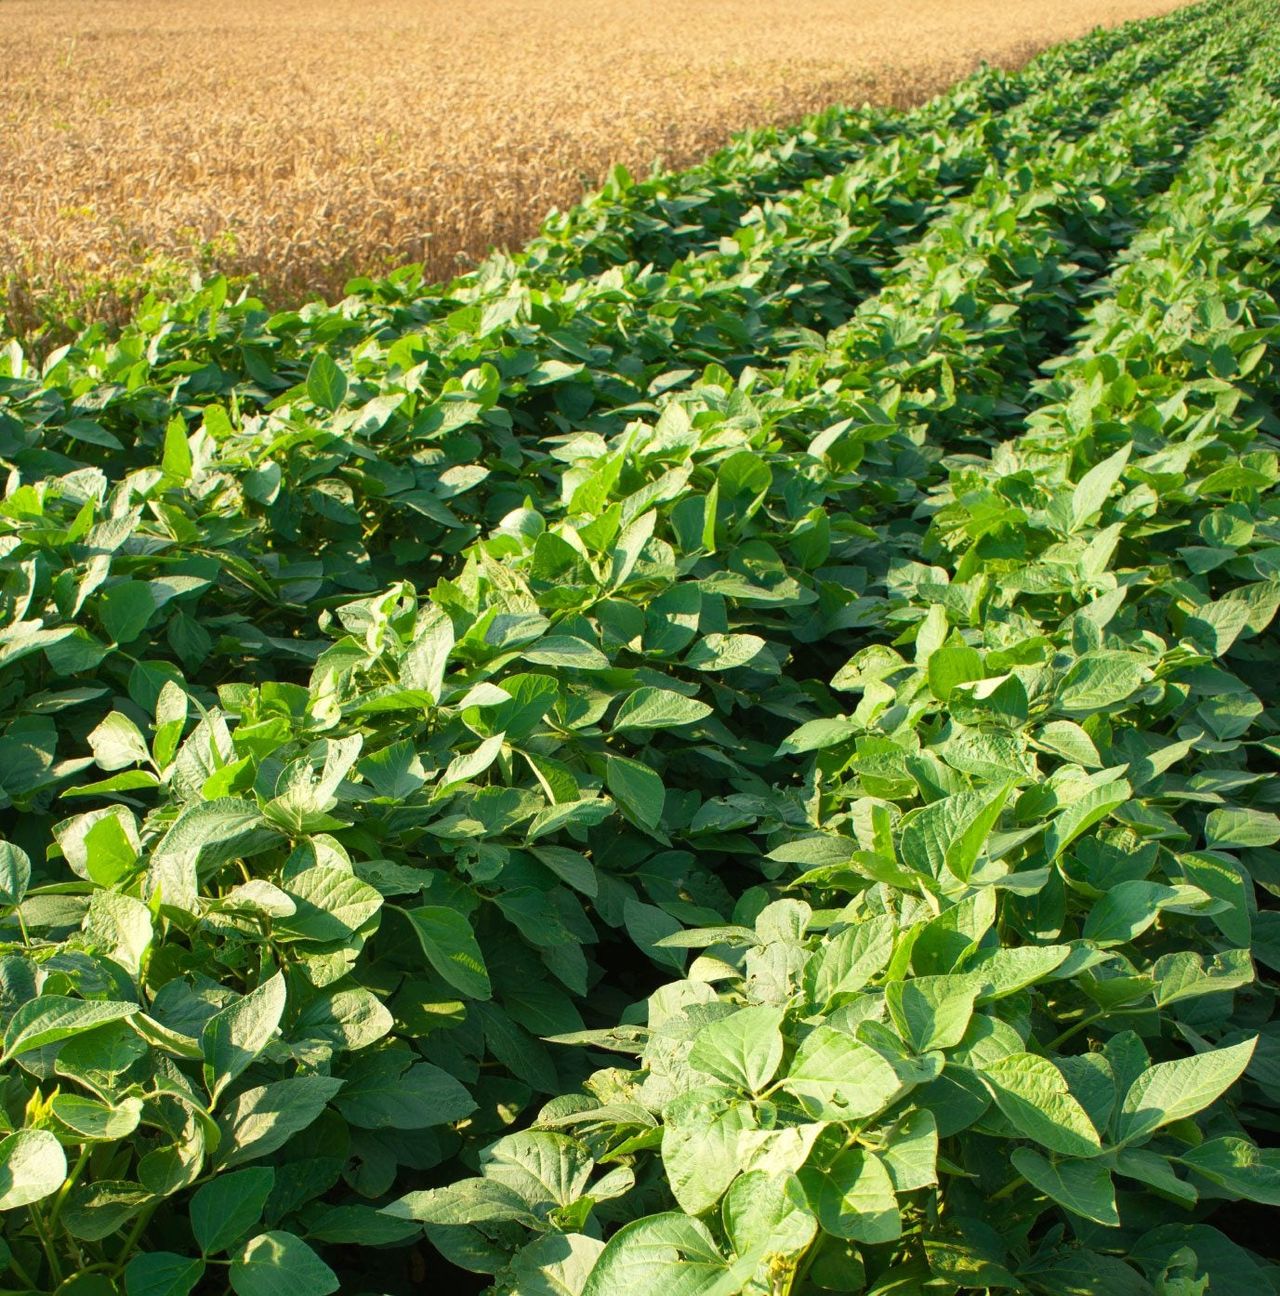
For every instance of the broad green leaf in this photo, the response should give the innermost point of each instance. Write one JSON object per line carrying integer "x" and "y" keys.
{"x": 326, "y": 383}
{"x": 261, "y": 1120}
{"x": 280, "y": 1264}
{"x": 658, "y": 708}
{"x": 662, "y": 1255}
{"x": 565, "y": 651}
{"x": 1082, "y": 1187}
{"x": 766, "y": 1215}
{"x": 97, "y": 1121}
{"x": 228, "y": 1206}
{"x": 706, "y": 1137}
{"x": 1233, "y": 828}
{"x": 717, "y": 652}
{"x": 379, "y": 1097}
{"x": 1240, "y": 1167}
{"x": 1004, "y": 972}
{"x": 32, "y": 1165}
{"x": 544, "y": 1167}
{"x": 910, "y": 1150}
{"x": 965, "y": 847}
{"x": 117, "y": 743}
{"x": 951, "y": 666}
{"x": 836, "y": 1077}
{"x": 125, "y": 610}
{"x": 637, "y": 789}
{"x": 853, "y": 1198}
{"x": 467, "y": 1201}
{"x": 1081, "y": 815}
{"x": 1033, "y": 1095}
{"x": 452, "y": 949}
{"x": 1100, "y": 680}
{"x": 234, "y": 1036}
{"x": 51, "y": 1018}
{"x": 15, "y": 874}
{"x": 1186, "y": 975}
{"x": 1126, "y": 911}
{"x": 743, "y": 1049}
{"x": 162, "y": 1273}
{"x": 330, "y": 905}
{"x": 1091, "y": 493}
{"x": 932, "y": 1012}
{"x": 847, "y": 961}
{"x": 1171, "y": 1090}
{"x": 555, "y": 1264}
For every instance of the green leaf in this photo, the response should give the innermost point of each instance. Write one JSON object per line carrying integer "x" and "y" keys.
{"x": 932, "y": 1012}
{"x": 280, "y": 1264}
{"x": 663, "y": 1255}
{"x": 706, "y": 1136}
{"x": 380, "y": 1096}
{"x": 544, "y": 1167}
{"x": 910, "y": 1150}
{"x": 117, "y": 743}
{"x": 1100, "y": 680}
{"x": 849, "y": 959}
{"x": 766, "y": 1215}
{"x": 97, "y": 1121}
{"x": 949, "y": 667}
{"x": 261, "y": 1120}
{"x": 32, "y": 1166}
{"x": 1233, "y": 828}
{"x": 718, "y": 652}
{"x": 1089, "y": 496}
{"x": 637, "y": 789}
{"x": 452, "y": 949}
{"x": 326, "y": 383}
{"x": 1240, "y": 1167}
{"x": 470, "y": 765}
{"x": 1126, "y": 911}
{"x": 836, "y": 1077}
{"x": 658, "y": 708}
{"x": 162, "y": 1273}
{"x": 965, "y": 847}
{"x": 466, "y": 1201}
{"x": 1033, "y": 1096}
{"x": 1081, "y": 815}
{"x": 1082, "y": 1187}
{"x": 125, "y": 610}
{"x": 1169, "y": 1091}
{"x": 853, "y": 1198}
{"x": 228, "y": 1206}
{"x": 15, "y": 874}
{"x": 565, "y": 651}
{"x": 51, "y": 1018}
{"x": 556, "y": 1264}
{"x": 234, "y": 1036}
{"x": 743, "y": 1049}
{"x": 177, "y": 460}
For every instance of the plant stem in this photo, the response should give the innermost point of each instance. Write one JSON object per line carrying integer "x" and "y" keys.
{"x": 21, "y": 1270}
{"x": 46, "y": 1241}
{"x": 56, "y": 1209}
{"x": 1008, "y": 1189}
{"x": 131, "y": 1240}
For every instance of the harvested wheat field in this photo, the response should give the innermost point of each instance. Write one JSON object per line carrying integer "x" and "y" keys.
{"x": 300, "y": 142}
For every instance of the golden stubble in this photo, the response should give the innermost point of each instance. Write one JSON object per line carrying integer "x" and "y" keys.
{"x": 303, "y": 141}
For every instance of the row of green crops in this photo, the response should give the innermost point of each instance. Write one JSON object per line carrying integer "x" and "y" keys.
{"x": 393, "y": 694}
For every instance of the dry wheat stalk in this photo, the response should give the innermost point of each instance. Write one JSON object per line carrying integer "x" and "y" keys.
{"x": 302, "y": 141}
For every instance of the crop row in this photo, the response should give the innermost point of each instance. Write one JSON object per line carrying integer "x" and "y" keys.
{"x": 298, "y": 484}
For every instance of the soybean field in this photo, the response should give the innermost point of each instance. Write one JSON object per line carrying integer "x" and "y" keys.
{"x": 730, "y": 751}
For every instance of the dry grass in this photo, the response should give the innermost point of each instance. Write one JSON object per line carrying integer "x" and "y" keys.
{"x": 299, "y": 141}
